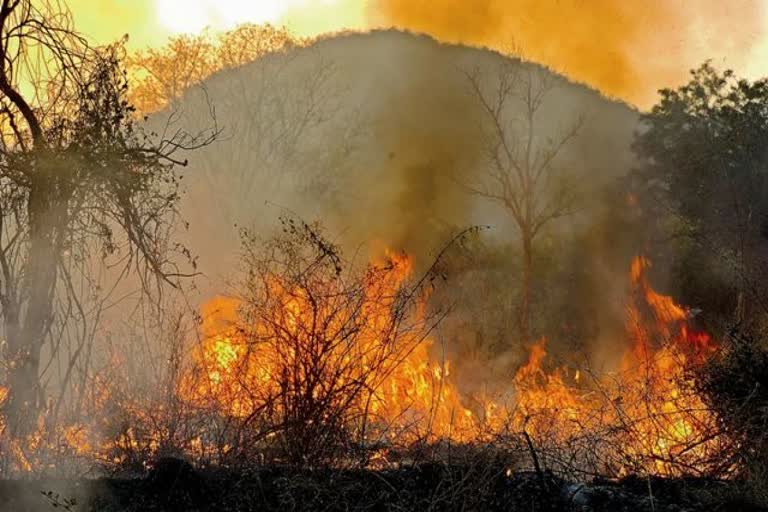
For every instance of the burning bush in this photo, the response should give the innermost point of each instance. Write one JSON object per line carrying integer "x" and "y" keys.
{"x": 312, "y": 358}
{"x": 647, "y": 417}
{"x": 315, "y": 361}
{"x": 321, "y": 365}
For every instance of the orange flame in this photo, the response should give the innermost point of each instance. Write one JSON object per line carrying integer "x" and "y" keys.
{"x": 645, "y": 417}
{"x": 647, "y": 407}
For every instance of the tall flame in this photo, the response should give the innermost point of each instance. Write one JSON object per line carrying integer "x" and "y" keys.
{"x": 647, "y": 406}
{"x": 643, "y": 418}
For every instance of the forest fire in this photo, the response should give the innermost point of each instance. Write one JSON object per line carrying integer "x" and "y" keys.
{"x": 644, "y": 417}
{"x": 174, "y": 335}
{"x": 393, "y": 380}
{"x": 318, "y": 362}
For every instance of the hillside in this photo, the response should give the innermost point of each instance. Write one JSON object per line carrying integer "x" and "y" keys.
{"x": 367, "y": 133}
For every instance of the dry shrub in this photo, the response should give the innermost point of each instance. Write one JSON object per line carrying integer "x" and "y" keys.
{"x": 735, "y": 383}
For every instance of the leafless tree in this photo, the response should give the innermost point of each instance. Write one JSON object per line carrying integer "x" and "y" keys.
{"x": 330, "y": 337}
{"x": 299, "y": 374}
{"x": 160, "y": 76}
{"x": 523, "y": 168}
{"x": 76, "y": 174}
{"x": 275, "y": 111}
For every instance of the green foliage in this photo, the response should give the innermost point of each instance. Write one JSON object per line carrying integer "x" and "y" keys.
{"x": 703, "y": 184}
{"x": 705, "y": 147}
{"x": 703, "y": 178}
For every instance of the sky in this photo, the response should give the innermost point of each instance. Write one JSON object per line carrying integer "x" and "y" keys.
{"x": 626, "y": 48}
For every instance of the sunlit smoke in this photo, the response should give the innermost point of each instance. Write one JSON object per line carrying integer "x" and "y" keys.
{"x": 193, "y": 16}
{"x": 621, "y": 48}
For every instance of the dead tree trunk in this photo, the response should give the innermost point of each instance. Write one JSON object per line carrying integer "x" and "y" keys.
{"x": 46, "y": 211}
{"x": 525, "y": 292}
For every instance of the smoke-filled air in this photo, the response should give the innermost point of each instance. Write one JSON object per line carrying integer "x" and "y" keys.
{"x": 385, "y": 255}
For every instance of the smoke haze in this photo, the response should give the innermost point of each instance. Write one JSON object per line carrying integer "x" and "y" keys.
{"x": 626, "y": 49}
{"x": 394, "y": 132}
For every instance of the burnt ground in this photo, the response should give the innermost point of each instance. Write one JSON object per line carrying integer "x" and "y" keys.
{"x": 176, "y": 486}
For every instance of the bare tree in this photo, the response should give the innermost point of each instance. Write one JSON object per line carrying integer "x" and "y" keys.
{"x": 160, "y": 76}
{"x": 523, "y": 169}
{"x": 271, "y": 107}
{"x": 327, "y": 335}
{"x": 75, "y": 174}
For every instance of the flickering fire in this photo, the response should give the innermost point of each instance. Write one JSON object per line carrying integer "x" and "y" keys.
{"x": 300, "y": 357}
{"x": 646, "y": 415}
{"x": 646, "y": 409}
{"x": 405, "y": 389}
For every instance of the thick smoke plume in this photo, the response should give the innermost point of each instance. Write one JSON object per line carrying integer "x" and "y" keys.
{"x": 626, "y": 49}
{"x": 398, "y": 133}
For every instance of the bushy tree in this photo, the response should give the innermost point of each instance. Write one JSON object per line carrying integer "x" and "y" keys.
{"x": 78, "y": 178}
{"x": 703, "y": 185}
{"x": 704, "y": 178}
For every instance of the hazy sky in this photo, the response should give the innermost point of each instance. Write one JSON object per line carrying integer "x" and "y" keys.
{"x": 626, "y": 48}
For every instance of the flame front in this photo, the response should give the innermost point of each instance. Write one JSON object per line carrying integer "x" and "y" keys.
{"x": 645, "y": 417}
{"x": 336, "y": 353}
{"x": 407, "y": 395}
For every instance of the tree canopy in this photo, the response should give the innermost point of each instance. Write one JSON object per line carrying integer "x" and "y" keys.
{"x": 79, "y": 181}
{"x": 704, "y": 165}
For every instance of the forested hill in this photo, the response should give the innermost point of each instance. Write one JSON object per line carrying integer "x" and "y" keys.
{"x": 376, "y": 135}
